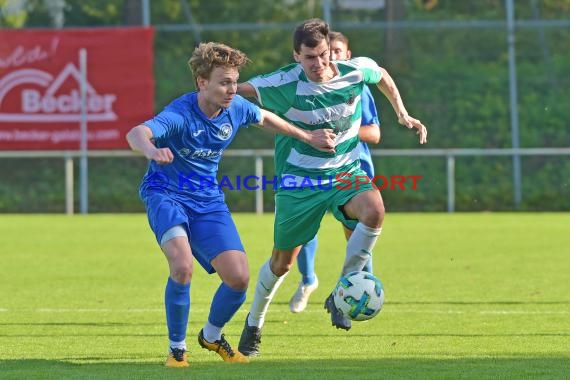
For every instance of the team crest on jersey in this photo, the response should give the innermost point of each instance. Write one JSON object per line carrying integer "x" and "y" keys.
{"x": 351, "y": 98}
{"x": 225, "y": 131}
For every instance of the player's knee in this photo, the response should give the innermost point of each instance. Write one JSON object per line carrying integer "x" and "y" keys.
{"x": 281, "y": 261}
{"x": 373, "y": 216}
{"x": 239, "y": 281}
{"x": 182, "y": 272}
{"x": 280, "y": 268}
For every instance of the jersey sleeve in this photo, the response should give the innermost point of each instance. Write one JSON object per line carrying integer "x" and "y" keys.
{"x": 276, "y": 90}
{"x": 370, "y": 70}
{"x": 166, "y": 122}
{"x": 245, "y": 112}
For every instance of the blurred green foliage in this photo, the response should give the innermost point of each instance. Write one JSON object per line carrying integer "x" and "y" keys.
{"x": 450, "y": 61}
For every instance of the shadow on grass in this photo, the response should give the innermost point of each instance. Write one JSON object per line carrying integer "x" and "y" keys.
{"x": 343, "y": 368}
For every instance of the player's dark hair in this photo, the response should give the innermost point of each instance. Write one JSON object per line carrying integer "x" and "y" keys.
{"x": 310, "y": 33}
{"x": 338, "y": 36}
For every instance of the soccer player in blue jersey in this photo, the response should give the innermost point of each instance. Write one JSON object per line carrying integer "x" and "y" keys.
{"x": 318, "y": 93}
{"x": 185, "y": 206}
{"x": 369, "y": 132}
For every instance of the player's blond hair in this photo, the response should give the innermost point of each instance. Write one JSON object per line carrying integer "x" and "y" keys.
{"x": 209, "y": 55}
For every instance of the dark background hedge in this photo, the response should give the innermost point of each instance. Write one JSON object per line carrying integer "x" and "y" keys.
{"x": 449, "y": 59}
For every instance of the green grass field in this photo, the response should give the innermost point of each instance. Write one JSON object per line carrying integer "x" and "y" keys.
{"x": 468, "y": 296}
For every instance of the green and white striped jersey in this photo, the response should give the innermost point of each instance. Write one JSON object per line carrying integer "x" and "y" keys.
{"x": 309, "y": 105}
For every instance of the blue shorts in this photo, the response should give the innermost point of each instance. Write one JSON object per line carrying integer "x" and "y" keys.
{"x": 209, "y": 233}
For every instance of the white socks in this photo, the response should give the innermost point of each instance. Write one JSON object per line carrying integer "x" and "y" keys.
{"x": 358, "y": 251}
{"x": 359, "y": 247}
{"x": 265, "y": 289}
{"x": 180, "y": 345}
{"x": 211, "y": 333}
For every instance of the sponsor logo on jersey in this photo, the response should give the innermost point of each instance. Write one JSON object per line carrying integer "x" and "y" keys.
{"x": 200, "y": 153}
{"x": 225, "y": 131}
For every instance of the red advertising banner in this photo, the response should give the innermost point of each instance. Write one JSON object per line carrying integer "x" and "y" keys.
{"x": 40, "y": 102}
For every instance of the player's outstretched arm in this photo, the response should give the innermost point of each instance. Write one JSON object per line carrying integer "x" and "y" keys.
{"x": 388, "y": 87}
{"x": 369, "y": 133}
{"x": 139, "y": 139}
{"x": 246, "y": 90}
{"x": 321, "y": 139}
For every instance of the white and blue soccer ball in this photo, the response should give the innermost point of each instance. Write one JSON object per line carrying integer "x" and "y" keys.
{"x": 359, "y": 296}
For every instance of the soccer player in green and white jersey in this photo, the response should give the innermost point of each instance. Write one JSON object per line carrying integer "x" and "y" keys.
{"x": 316, "y": 93}
{"x": 369, "y": 132}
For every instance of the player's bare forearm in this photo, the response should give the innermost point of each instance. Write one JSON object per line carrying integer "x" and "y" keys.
{"x": 139, "y": 139}
{"x": 388, "y": 87}
{"x": 369, "y": 133}
{"x": 321, "y": 139}
{"x": 246, "y": 90}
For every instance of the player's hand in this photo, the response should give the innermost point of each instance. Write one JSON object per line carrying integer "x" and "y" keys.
{"x": 162, "y": 156}
{"x": 323, "y": 140}
{"x": 411, "y": 122}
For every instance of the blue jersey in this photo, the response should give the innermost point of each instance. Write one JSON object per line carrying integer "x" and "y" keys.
{"x": 197, "y": 144}
{"x": 369, "y": 116}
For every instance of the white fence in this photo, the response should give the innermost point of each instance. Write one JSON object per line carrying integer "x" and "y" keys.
{"x": 259, "y": 154}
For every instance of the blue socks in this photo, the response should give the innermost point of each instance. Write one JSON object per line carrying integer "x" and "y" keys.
{"x": 177, "y": 303}
{"x": 306, "y": 261}
{"x": 225, "y": 304}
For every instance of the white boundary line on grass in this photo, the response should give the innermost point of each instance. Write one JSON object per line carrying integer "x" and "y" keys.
{"x": 482, "y": 312}
{"x": 43, "y": 310}
{"x": 523, "y": 312}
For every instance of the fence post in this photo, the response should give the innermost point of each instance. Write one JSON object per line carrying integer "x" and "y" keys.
{"x": 145, "y": 5}
{"x": 68, "y": 184}
{"x": 259, "y": 190}
{"x": 84, "y": 182}
{"x": 450, "y": 183}
{"x": 513, "y": 100}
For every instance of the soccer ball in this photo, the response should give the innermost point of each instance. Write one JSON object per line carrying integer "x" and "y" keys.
{"x": 359, "y": 296}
